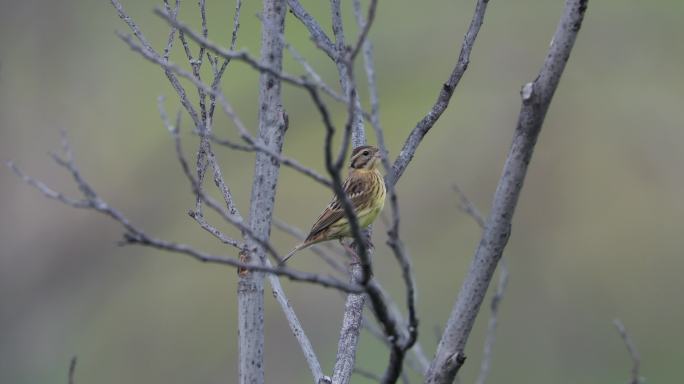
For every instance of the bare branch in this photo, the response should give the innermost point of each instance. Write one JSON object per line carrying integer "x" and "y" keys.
{"x": 297, "y": 329}
{"x": 349, "y": 332}
{"x": 148, "y": 50}
{"x": 199, "y": 218}
{"x": 311, "y": 72}
{"x": 231, "y": 215}
{"x": 468, "y": 207}
{"x": 536, "y": 98}
{"x": 491, "y": 326}
{"x": 197, "y": 190}
{"x": 369, "y": 66}
{"x": 294, "y": 275}
{"x": 172, "y": 33}
{"x": 273, "y": 123}
{"x": 72, "y": 371}
{"x": 218, "y": 72}
{"x": 447, "y": 90}
{"x": 134, "y": 235}
{"x": 633, "y": 352}
{"x": 45, "y": 190}
{"x": 253, "y": 143}
{"x": 231, "y": 144}
{"x": 230, "y": 54}
{"x": 365, "y": 28}
{"x": 407, "y": 340}
{"x": 318, "y": 36}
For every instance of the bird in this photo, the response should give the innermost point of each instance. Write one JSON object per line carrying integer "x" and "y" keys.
{"x": 365, "y": 188}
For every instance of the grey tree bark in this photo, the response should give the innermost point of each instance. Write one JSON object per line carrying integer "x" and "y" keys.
{"x": 272, "y": 125}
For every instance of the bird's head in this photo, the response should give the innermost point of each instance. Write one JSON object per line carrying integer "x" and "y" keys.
{"x": 365, "y": 157}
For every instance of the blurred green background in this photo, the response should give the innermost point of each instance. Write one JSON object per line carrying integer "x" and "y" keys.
{"x": 597, "y": 233}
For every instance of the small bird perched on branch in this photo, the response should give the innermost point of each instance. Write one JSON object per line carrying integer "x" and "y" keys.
{"x": 365, "y": 188}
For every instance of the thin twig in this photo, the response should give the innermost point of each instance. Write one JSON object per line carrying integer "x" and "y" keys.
{"x": 633, "y": 352}
{"x": 229, "y": 54}
{"x": 72, "y": 371}
{"x": 317, "y": 79}
{"x": 134, "y": 235}
{"x": 218, "y": 72}
{"x": 254, "y": 143}
{"x": 469, "y": 207}
{"x": 365, "y": 28}
{"x": 491, "y": 326}
{"x": 297, "y": 329}
{"x": 172, "y": 33}
{"x": 147, "y": 48}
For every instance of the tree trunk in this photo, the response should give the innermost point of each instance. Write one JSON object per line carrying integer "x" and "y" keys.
{"x": 272, "y": 124}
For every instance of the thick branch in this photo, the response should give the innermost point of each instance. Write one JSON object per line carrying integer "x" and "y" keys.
{"x": 536, "y": 98}
{"x": 469, "y": 207}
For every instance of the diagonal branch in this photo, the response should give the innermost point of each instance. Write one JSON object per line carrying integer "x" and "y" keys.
{"x": 147, "y": 48}
{"x": 490, "y": 338}
{"x": 633, "y": 352}
{"x": 427, "y": 122}
{"x": 318, "y": 36}
{"x": 365, "y": 28}
{"x": 469, "y": 207}
{"x": 297, "y": 329}
{"x": 536, "y": 98}
{"x": 135, "y": 235}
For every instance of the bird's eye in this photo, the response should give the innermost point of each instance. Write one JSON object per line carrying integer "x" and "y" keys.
{"x": 365, "y": 153}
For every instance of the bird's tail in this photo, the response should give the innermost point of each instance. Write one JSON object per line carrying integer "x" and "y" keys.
{"x": 292, "y": 252}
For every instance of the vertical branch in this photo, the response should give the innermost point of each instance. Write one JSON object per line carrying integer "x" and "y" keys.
{"x": 536, "y": 98}
{"x": 409, "y": 337}
{"x": 490, "y": 338}
{"x": 344, "y": 71}
{"x": 72, "y": 371}
{"x": 353, "y": 309}
{"x": 272, "y": 125}
{"x": 350, "y": 330}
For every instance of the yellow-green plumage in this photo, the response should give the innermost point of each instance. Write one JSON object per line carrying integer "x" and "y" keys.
{"x": 365, "y": 188}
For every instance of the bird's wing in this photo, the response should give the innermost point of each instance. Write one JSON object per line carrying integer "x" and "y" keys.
{"x": 356, "y": 189}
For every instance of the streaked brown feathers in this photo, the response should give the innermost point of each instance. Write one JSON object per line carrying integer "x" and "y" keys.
{"x": 365, "y": 188}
